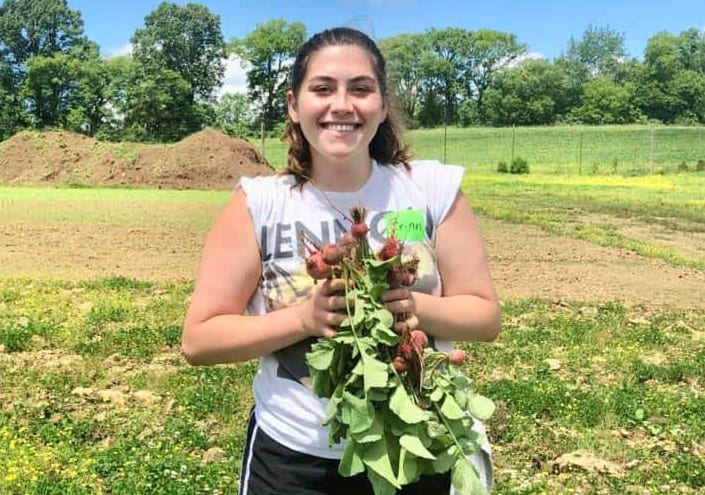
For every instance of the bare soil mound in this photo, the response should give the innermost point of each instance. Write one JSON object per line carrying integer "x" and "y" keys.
{"x": 208, "y": 159}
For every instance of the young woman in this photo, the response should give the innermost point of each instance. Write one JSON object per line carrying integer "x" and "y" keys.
{"x": 253, "y": 298}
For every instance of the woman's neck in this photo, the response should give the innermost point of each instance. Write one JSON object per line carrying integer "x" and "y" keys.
{"x": 341, "y": 177}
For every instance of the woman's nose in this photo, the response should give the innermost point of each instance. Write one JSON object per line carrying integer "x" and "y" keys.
{"x": 342, "y": 102}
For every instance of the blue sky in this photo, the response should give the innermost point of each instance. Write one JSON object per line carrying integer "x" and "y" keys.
{"x": 545, "y": 26}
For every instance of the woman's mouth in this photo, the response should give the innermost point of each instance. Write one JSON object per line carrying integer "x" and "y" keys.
{"x": 340, "y": 127}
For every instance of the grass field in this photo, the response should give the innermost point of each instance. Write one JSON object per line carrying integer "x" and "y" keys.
{"x": 97, "y": 400}
{"x": 581, "y": 150}
{"x": 593, "y": 397}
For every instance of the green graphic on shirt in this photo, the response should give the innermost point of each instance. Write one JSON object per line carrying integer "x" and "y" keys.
{"x": 406, "y": 225}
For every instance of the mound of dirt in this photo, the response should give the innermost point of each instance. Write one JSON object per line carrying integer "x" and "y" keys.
{"x": 208, "y": 159}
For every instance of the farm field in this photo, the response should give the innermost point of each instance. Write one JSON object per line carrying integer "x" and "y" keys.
{"x": 560, "y": 150}
{"x": 598, "y": 374}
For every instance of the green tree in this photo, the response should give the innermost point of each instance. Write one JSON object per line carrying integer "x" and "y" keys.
{"x": 47, "y": 88}
{"x": 486, "y": 54}
{"x": 122, "y": 71}
{"x": 66, "y": 90}
{"x": 154, "y": 107}
{"x": 670, "y": 87}
{"x": 88, "y": 110}
{"x": 607, "y": 102}
{"x": 11, "y": 114}
{"x": 599, "y": 52}
{"x": 531, "y": 93}
{"x": 186, "y": 40}
{"x": 443, "y": 68}
{"x": 267, "y": 53}
{"x": 30, "y": 28}
{"x": 404, "y": 54}
{"x": 234, "y": 114}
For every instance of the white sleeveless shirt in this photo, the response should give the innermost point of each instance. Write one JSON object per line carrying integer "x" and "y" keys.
{"x": 285, "y": 408}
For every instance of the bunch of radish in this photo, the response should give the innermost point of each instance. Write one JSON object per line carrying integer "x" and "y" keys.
{"x": 403, "y": 408}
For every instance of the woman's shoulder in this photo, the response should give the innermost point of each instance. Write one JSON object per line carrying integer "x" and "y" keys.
{"x": 427, "y": 172}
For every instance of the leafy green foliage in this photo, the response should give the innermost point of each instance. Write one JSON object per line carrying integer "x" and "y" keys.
{"x": 268, "y": 51}
{"x": 611, "y": 395}
{"x": 30, "y": 28}
{"x": 398, "y": 424}
{"x": 186, "y": 40}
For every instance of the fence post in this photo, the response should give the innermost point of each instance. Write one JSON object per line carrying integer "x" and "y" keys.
{"x": 262, "y": 140}
{"x": 514, "y": 138}
{"x": 445, "y": 142}
{"x": 580, "y": 152}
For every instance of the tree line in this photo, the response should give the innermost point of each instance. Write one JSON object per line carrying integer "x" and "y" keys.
{"x": 53, "y": 77}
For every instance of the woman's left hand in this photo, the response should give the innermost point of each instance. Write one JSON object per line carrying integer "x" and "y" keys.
{"x": 401, "y": 303}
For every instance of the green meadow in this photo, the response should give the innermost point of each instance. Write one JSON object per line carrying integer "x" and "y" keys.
{"x": 593, "y": 397}
{"x": 571, "y": 150}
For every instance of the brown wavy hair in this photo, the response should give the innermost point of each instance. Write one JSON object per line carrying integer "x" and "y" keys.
{"x": 386, "y": 146}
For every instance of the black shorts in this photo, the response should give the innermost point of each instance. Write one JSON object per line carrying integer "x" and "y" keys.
{"x": 269, "y": 468}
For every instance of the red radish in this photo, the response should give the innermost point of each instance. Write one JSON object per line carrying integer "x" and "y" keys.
{"x": 332, "y": 254}
{"x": 400, "y": 364}
{"x": 419, "y": 339}
{"x": 457, "y": 357}
{"x": 405, "y": 350}
{"x": 359, "y": 230}
{"x": 316, "y": 267}
{"x": 390, "y": 249}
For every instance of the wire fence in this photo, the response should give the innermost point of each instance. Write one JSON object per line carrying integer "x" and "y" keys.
{"x": 626, "y": 150}
{"x": 569, "y": 149}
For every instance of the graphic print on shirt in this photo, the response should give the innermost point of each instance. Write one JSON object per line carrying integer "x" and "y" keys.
{"x": 285, "y": 282}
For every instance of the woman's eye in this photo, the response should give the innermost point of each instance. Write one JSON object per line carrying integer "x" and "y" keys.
{"x": 321, "y": 89}
{"x": 362, "y": 89}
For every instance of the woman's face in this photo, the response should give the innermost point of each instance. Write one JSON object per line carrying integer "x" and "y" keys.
{"x": 339, "y": 105}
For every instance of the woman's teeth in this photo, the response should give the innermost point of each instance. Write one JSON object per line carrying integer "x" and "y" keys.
{"x": 341, "y": 127}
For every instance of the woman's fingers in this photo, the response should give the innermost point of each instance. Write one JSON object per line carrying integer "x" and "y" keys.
{"x": 395, "y": 295}
{"x": 401, "y": 303}
{"x": 333, "y": 286}
{"x": 407, "y": 324}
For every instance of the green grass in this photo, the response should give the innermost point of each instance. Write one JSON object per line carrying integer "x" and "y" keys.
{"x": 96, "y": 398}
{"x": 628, "y": 389}
{"x": 626, "y": 150}
{"x": 595, "y": 208}
{"x": 110, "y": 206}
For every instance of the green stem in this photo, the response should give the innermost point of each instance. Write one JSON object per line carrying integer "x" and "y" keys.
{"x": 346, "y": 277}
{"x": 432, "y": 369}
{"x": 445, "y": 423}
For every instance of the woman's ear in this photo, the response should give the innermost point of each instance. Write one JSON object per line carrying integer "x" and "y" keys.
{"x": 291, "y": 107}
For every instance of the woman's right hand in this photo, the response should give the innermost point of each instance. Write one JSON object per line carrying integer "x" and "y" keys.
{"x": 320, "y": 313}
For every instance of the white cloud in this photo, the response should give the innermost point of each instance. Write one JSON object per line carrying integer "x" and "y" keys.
{"x": 235, "y": 79}
{"x": 524, "y": 58}
{"x": 119, "y": 52}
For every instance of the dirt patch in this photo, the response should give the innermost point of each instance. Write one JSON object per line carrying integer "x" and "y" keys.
{"x": 526, "y": 262}
{"x": 529, "y": 262}
{"x": 208, "y": 159}
{"x": 675, "y": 234}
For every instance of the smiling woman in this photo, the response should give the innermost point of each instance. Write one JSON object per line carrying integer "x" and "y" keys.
{"x": 253, "y": 297}
{"x": 339, "y": 108}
